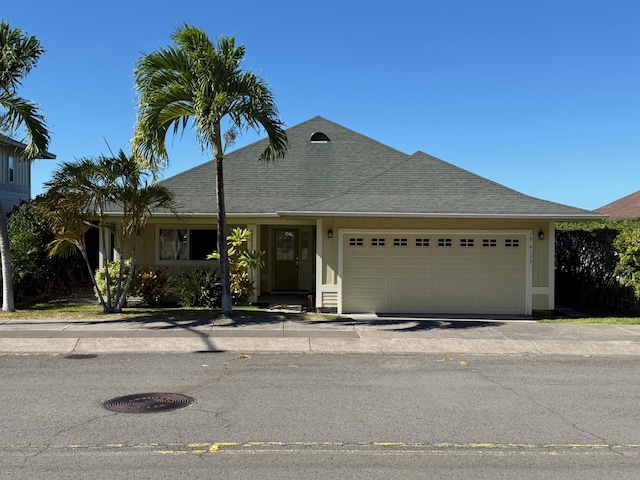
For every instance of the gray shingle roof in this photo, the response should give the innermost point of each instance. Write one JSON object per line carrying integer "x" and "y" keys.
{"x": 351, "y": 174}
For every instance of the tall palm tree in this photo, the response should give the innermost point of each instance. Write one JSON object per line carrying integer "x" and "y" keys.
{"x": 19, "y": 53}
{"x": 194, "y": 82}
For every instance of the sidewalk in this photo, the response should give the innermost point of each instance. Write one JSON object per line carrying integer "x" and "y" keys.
{"x": 356, "y": 334}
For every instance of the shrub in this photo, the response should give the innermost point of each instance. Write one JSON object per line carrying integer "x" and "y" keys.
{"x": 34, "y": 271}
{"x": 241, "y": 259}
{"x": 198, "y": 288}
{"x": 595, "y": 264}
{"x": 627, "y": 244}
{"x": 114, "y": 273}
{"x": 152, "y": 285}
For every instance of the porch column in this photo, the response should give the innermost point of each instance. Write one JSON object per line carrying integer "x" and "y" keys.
{"x": 319, "y": 267}
{"x": 552, "y": 265}
{"x": 254, "y": 274}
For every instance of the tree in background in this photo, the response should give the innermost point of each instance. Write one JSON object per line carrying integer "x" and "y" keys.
{"x": 80, "y": 196}
{"x": 35, "y": 273}
{"x": 19, "y": 54}
{"x": 627, "y": 244}
{"x": 195, "y": 81}
{"x": 586, "y": 261}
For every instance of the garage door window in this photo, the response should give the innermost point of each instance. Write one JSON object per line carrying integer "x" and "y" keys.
{"x": 378, "y": 242}
{"x": 400, "y": 242}
{"x": 467, "y": 242}
{"x": 356, "y": 242}
{"x": 489, "y": 242}
{"x": 512, "y": 242}
{"x": 422, "y": 242}
{"x": 445, "y": 242}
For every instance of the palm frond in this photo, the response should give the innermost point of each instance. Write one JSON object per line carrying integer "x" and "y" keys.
{"x": 19, "y": 113}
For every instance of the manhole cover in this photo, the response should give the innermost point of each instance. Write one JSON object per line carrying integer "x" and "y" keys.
{"x": 148, "y": 402}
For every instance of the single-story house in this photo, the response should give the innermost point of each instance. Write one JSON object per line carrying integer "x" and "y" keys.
{"x": 15, "y": 176}
{"x": 626, "y": 208}
{"x": 367, "y": 228}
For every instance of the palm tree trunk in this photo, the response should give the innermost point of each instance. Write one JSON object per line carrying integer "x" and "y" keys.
{"x": 92, "y": 276}
{"x": 5, "y": 257}
{"x": 132, "y": 266}
{"x": 108, "y": 307}
{"x": 222, "y": 239}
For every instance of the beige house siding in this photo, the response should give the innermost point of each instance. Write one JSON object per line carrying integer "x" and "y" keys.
{"x": 322, "y": 279}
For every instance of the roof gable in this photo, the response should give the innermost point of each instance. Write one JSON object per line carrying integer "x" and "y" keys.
{"x": 351, "y": 174}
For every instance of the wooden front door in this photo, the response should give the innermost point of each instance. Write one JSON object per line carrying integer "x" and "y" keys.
{"x": 287, "y": 259}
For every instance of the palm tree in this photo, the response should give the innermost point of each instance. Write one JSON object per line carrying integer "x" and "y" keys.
{"x": 80, "y": 196}
{"x": 194, "y": 82}
{"x": 19, "y": 53}
{"x": 138, "y": 199}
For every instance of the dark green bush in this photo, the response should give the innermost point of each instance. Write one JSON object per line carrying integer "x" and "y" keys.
{"x": 35, "y": 273}
{"x": 198, "y": 288}
{"x": 588, "y": 269}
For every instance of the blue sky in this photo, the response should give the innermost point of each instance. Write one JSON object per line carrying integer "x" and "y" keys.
{"x": 543, "y": 97}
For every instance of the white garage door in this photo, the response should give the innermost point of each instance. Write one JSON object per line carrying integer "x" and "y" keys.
{"x": 434, "y": 273}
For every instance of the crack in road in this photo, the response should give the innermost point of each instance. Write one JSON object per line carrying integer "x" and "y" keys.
{"x": 535, "y": 402}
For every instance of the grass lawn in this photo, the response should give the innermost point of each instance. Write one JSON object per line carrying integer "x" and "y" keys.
{"x": 596, "y": 320}
{"x": 70, "y": 311}
{"x": 77, "y": 311}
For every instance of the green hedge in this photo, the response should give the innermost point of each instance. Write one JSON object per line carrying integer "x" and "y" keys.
{"x": 598, "y": 265}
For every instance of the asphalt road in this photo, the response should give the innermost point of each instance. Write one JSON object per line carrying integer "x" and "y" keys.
{"x": 322, "y": 416}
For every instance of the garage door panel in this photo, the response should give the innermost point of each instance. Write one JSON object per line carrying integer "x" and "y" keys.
{"x": 367, "y": 282}
{"x": 453, "y": 302}
{"x": 368, "y": 261}
{"x": 417, "y": 283}
{"x": 446, "y": 281}
{"x": 462, "y": 277}
{"x": 366, "y": 303}
{"x": 407, "y": 303}
{"x": 411, "y": 262}
{"x": 454, "y": 262}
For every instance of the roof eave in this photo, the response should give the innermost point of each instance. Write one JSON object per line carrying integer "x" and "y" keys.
{"x": 14, "y": 143}
{"x": 530, "y": 216}
{"x": 196, "y": 214}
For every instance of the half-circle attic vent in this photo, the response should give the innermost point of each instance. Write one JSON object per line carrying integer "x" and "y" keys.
{"x": 319, "y": 137}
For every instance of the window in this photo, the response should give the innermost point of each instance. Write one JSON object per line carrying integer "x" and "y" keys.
{"x": 319, "y": 137}
{"x": 400, "y": 242}
{"x": 467, "y": 242}
{"x": 378, "y": 242}
{"x": 186, "y": 243}
{"x": 12, "y": 166}
{"x": 444, "y": 242}
{"x": 489, "y": 242}
{"x": 422, "y": 242}
{"x": 356, "y": 242}
{"x": 512, "y": 242}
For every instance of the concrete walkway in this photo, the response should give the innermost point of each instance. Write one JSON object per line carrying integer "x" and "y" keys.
{"x": 356, "y": 334}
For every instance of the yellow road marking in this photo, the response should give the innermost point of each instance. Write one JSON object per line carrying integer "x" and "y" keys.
{"x": 372, "y": 447}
